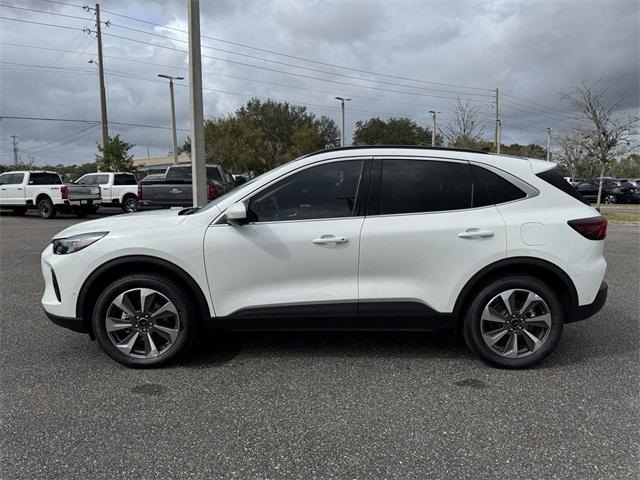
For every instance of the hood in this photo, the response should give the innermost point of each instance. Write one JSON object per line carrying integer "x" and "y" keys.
{"x": 125, "y": 222}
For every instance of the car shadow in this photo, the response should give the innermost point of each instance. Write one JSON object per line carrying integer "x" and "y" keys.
{"x": 216, "y": 348}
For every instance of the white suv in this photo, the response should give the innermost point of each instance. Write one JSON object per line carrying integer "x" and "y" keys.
{"x": 501, "y": 248}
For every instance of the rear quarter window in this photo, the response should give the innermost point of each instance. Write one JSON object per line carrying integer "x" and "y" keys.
{"x": 500, "y": 190}
{"x": 124, "y": 179}
{"x": 560, "y": 183}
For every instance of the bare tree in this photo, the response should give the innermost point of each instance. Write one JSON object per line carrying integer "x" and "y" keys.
{"x": 572, "y": 153}
{"x": 464, "y": 131}
{"x": 605, "y": 136}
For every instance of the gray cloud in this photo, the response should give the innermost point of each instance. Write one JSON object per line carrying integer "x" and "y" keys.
{"x": 533, "y": 50}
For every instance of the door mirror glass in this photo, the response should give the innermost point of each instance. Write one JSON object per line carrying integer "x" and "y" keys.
{"x": 237, "y": 214}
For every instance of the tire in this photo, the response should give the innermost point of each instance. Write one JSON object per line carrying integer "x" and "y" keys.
{"x": 20, "y": 210}
{"x": 179, "y": 321}
{"x": 130, "y": 204}
{"x": 95, "y": 208}
{"x": 47, "y": 209}
{"x": 542, "y": 319}
{"x": 610, "y": 199}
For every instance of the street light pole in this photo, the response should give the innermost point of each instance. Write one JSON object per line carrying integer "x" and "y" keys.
{"x": 173, "y": 115}
{"x": 548, "y": 144}
{"x": 433, "y": 133}
{"x": 342, "y": 135}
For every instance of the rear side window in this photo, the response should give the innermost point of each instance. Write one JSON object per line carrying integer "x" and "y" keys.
{"x": 414, "y": 186}
{"x": 560, "y": 183}
{"x": 179, "y": 174}
{"x": 499, "y": 189}
{"x": 44, "y": 179}
{"x": 124, "y": 179}
{"x": 213, "y": 174}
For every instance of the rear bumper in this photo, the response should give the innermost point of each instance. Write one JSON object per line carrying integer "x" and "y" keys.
{"x": 585, "y": 311}
{"x": 75, "y": 324}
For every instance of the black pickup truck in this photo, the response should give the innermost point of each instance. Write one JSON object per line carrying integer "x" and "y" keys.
{"x": 173, "y": 189}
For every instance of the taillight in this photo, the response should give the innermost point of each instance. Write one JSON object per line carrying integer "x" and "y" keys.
{"x": 139, "y": 192}
{"x": 213, "y": 191}
{"x": 64, "y": 191}
{"x": 594, "y": 228}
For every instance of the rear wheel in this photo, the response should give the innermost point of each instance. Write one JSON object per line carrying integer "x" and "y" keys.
{"x": 46, "y": 208}
{"x": 514, "y": 322}
{"x": 130, "y": 204}
{"x": 610, "y": 199}
{"x": 144, "y": 320}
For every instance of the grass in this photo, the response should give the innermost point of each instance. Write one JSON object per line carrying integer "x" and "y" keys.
{"x": 622, "y": 216}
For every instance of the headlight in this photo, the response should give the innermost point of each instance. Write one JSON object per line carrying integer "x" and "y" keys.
{"x": 62, "y": 246}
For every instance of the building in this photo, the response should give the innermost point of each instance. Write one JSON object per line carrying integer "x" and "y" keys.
{"x": 151, "y": 165}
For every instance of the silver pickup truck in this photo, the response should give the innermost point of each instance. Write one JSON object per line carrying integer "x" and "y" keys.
{"x": 174, "y": 189}
{"x": 44, "y": 191}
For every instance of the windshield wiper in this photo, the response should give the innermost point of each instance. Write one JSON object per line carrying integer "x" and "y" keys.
{"x": 188, "y": 211}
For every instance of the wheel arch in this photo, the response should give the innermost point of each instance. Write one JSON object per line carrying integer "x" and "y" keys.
{"x": 535, "y": 267}
{"x": 42, "y": 196}
{"x": 113, "y": 269}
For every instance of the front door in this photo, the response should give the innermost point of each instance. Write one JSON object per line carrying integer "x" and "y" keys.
{"x": 298, "y": 256}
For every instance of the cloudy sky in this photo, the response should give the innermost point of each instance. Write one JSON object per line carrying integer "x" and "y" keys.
{"x": 402, "y": 58}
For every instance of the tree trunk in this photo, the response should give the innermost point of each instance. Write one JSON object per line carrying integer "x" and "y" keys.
{"x": 600, "y": 186}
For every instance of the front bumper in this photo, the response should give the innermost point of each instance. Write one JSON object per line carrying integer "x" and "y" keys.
{"x": 75, "y": 324}
{"x": 585, "y": 311}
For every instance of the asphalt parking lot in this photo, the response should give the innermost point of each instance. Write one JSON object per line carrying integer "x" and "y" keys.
{"x": 330, "y": 405}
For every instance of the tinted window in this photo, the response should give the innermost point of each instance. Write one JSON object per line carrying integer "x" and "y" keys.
{"x": 411, "y": 186}
{"x": 179, "y": 174}
{"x": 214, "y": 174}
{"x": 499, "y": 189}
{"x": 44, "y": 179}
{"x": 560, "y": 183}
{"x": 325, "y": 191}
{"x": 12, "y": 178}
{"x": 124, "y": 179}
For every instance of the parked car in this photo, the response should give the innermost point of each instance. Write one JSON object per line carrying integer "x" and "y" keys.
{"x": 21, "y": 190}
{"x": 119, "y": 189}
{"x": 174, "y": 189}
{"x": 612, "y": 191}
{"x": 501, "y": 248}
{"x": 631, "y": 189}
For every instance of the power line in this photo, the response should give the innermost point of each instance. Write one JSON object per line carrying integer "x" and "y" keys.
{"x": 37, "y": 147}
{"x": 43, "y": 11}
{"x": 39, "y": 23}
{"x": 75, "y": 120}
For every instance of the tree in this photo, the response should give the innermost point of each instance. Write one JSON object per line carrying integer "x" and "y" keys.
{"x": 114, "y": 156}
{"x": 573, "y": 156}
{"x": 236, "y": 144}
{"x": 464, "y": 131}
{"x": 395, "y": 131}
{"x": 605, "y": 136}
{"x": 626, "y": 168}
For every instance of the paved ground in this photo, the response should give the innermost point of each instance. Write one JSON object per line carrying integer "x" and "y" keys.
{"x": 347, "y": 406}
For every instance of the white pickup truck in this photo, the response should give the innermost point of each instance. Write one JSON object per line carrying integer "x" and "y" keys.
{"x": 119, "y": 189}
{"x": 21, "y": 190}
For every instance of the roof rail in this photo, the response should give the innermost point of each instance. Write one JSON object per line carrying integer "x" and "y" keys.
{"x": 420, "y": 147}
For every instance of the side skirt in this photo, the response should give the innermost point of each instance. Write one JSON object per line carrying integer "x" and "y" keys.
{"x": 365, "y": 316}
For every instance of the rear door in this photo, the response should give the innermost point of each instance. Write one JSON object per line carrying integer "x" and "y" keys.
{"x": 429, "y": 228}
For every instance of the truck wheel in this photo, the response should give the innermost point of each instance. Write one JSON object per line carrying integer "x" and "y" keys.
{"x": 20, "y": 210}
{"x": 514, "y": 322}
{"x": 46, "y": 208}
{"x": 144, "y": 320}
{"x": 130, "y": 204}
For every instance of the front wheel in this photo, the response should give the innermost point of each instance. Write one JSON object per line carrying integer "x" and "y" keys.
{"x": 144, "y": 320}
{"x": 47, "y": 209}
{"x": 514, "y": 322}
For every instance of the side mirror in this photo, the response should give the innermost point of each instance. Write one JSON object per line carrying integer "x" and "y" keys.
{"x": 237, "y": 214}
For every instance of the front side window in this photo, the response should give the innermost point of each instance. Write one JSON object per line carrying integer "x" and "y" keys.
{"x": 414, "y": 186}
{"x": 86, "y": 180}
{"x": 45, "y": 179}
{"x": 323, "y": 191}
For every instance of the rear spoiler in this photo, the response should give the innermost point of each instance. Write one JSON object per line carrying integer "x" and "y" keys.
{"x": 539, "y": 166}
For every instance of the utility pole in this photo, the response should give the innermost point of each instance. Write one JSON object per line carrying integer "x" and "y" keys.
{"x": 497, "y": 139}
{"x": 173, "y": 115}
{"x": 435, "y": 130}
{"x": 342, "y": 135}
{"x": 103, "y": 95}
{"x": 548, "y": 144}
{"x": 499, "y": 134}
{"x": 14, "y": 142}
{"x": 198, "y": 161}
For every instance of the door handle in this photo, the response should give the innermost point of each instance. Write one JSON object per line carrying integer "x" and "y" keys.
{"x": 475, "y": 233}
{"x": 329, "y": 239}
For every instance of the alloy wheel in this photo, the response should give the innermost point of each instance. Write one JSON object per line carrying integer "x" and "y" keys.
{"x": 142, "y": 323}
{"x": 610, "y": 199}
{"x": 515, "y": 323}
